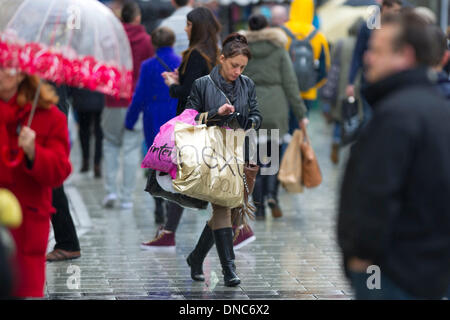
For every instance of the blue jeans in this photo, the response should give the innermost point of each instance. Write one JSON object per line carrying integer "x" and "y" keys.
{"x": 388, "y": 289}
{"x": 337, "y": 132}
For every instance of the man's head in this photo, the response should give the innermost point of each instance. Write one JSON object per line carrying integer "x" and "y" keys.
{"x": 403, "y": 42}
{"x": 257, "y": 22}
{"x": 391, "y": 6}
{"x": 279, "y": 15}
{"x": 131, "y": 13}
{"x": 182, "y": 3}
{"x": 163, "y": 37}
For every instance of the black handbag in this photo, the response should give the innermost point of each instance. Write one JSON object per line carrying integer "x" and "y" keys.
{"x": 155, "y": 190}
{"x": 351, "y": 123}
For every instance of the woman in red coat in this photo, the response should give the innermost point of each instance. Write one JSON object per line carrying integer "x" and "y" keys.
{"x": 45, "y": 165}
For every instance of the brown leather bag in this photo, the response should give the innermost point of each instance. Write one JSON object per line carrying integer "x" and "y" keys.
{"x": 239, "y": 215}
{"x": 311, "y": 175}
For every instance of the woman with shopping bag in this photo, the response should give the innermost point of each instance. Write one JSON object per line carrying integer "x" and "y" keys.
{"x": 229, "y": 98}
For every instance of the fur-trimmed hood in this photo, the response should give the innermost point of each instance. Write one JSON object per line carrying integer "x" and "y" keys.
{"x": 273, "y": 35}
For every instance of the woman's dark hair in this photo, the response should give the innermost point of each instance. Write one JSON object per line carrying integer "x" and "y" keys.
{"x": 257, "y": 22}
{"x": 130, "y": 11}
{"x": 234, "y": 45}
{"x": 204, "y": 33}
{"x": 163, "y": 37}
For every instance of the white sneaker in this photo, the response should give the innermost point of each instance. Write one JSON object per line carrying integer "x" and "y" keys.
{"x": 109, "y": 200}
{"x": 126, "y": 205}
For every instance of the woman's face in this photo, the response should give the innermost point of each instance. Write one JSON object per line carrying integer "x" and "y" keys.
{"x": 233, "y": 67}
{"x": 188, "y": 29}
{"x": 10, "y": 79}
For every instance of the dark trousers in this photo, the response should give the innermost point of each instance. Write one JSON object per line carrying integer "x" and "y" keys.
{"x": 174, "y": 213}
{"x": 65, "y": 234}
{"x": 85, "y": 120}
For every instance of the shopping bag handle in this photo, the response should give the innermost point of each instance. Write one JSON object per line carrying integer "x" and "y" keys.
{"x": 305, "y": 134}
{"x": 203, "y": 116}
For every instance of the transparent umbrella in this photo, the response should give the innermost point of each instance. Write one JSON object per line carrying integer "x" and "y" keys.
{"x": 79, "y": 43}
{"x": 76, "y": 42}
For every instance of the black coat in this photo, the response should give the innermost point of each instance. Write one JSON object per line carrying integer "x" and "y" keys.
{"x": 189, "y": 71}
{"x": 84, "y": 100}
{"x": 208, "y": 95}
{"x": 394, "y": 205}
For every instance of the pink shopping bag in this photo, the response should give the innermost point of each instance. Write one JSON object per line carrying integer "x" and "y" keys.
{"x": 162, "y": 155}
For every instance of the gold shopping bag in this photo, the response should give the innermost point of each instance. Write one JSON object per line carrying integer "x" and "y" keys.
{"x": 210, "y": 164}
{"x": 290, "y": 173}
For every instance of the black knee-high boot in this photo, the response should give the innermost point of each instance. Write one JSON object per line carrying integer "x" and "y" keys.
{"x": 198, "y": 255}
{"x": 224, "y": 244}
{"x": 272, "y": 184}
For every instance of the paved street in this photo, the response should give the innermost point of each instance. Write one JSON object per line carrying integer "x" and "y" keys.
{"x": 295, "y": 257}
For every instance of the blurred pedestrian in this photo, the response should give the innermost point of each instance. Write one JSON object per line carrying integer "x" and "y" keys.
{"x": 276, "y": 88}
{"x": 361, "y": 46}
{"x": 89, "y": 106}
{"x": 341, "y": 57}
{"x": 202, "y": 29}
{"x": 228, "y": 97}
{"x": 152, "y": 95}
{"x": 45, "y": 166}
{"x": 300, "y": 26}
{"x": 394, "y": 212}
{"x": 177, "y": 22}
{"x": 117, "y": 138}
{"x": 441, "y": 56}
{"x": 279, "y": 15}
{"x": 67, "y": 245}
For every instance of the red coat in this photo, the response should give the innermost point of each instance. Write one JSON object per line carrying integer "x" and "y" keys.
{"x": 33, "y": 187}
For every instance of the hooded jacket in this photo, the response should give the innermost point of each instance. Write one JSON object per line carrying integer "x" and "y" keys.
{"x": 141, "y": 49}
{"x": 276, "y": 84}
{"x": 300, "y": 23}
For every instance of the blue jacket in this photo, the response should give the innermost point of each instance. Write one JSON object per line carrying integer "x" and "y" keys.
{"x": 362, "y": 44}
{"x": 152, "y": 95}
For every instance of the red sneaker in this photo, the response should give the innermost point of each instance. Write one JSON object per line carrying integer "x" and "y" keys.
{"x": 243, "y": 235}
{"x": 164, "y": 241}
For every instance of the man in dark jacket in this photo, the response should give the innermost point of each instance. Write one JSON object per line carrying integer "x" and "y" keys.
{"x": 394, "y": 213}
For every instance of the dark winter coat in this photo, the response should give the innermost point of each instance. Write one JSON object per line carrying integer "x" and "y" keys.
{"x": 194, "y": 67}
{"x": 394, "y": 204}
{"x": 84, "y": 100}
{"x": 208, "y": 95}
{"x": 276, "y": 83}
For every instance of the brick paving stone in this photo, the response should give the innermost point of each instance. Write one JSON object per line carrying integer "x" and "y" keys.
{"x": 294, "y": 257}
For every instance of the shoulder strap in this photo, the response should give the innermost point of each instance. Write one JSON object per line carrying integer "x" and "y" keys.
{"x": 228, "y": 101}
{"x": 311, "y": 35}
{"x": 163, "y": 64}
{"x": 289, "y": 32}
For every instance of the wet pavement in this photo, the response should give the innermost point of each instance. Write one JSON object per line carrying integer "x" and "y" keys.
{"x": 293, "y": 257}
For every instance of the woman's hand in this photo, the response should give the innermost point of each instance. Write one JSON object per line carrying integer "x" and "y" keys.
{"x": 225, "y": 110}
{"x": 27, "y": 141}
{"x": 170, "y": 78}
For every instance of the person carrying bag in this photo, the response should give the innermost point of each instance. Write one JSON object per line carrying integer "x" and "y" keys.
{"x": 230, "y": 100}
